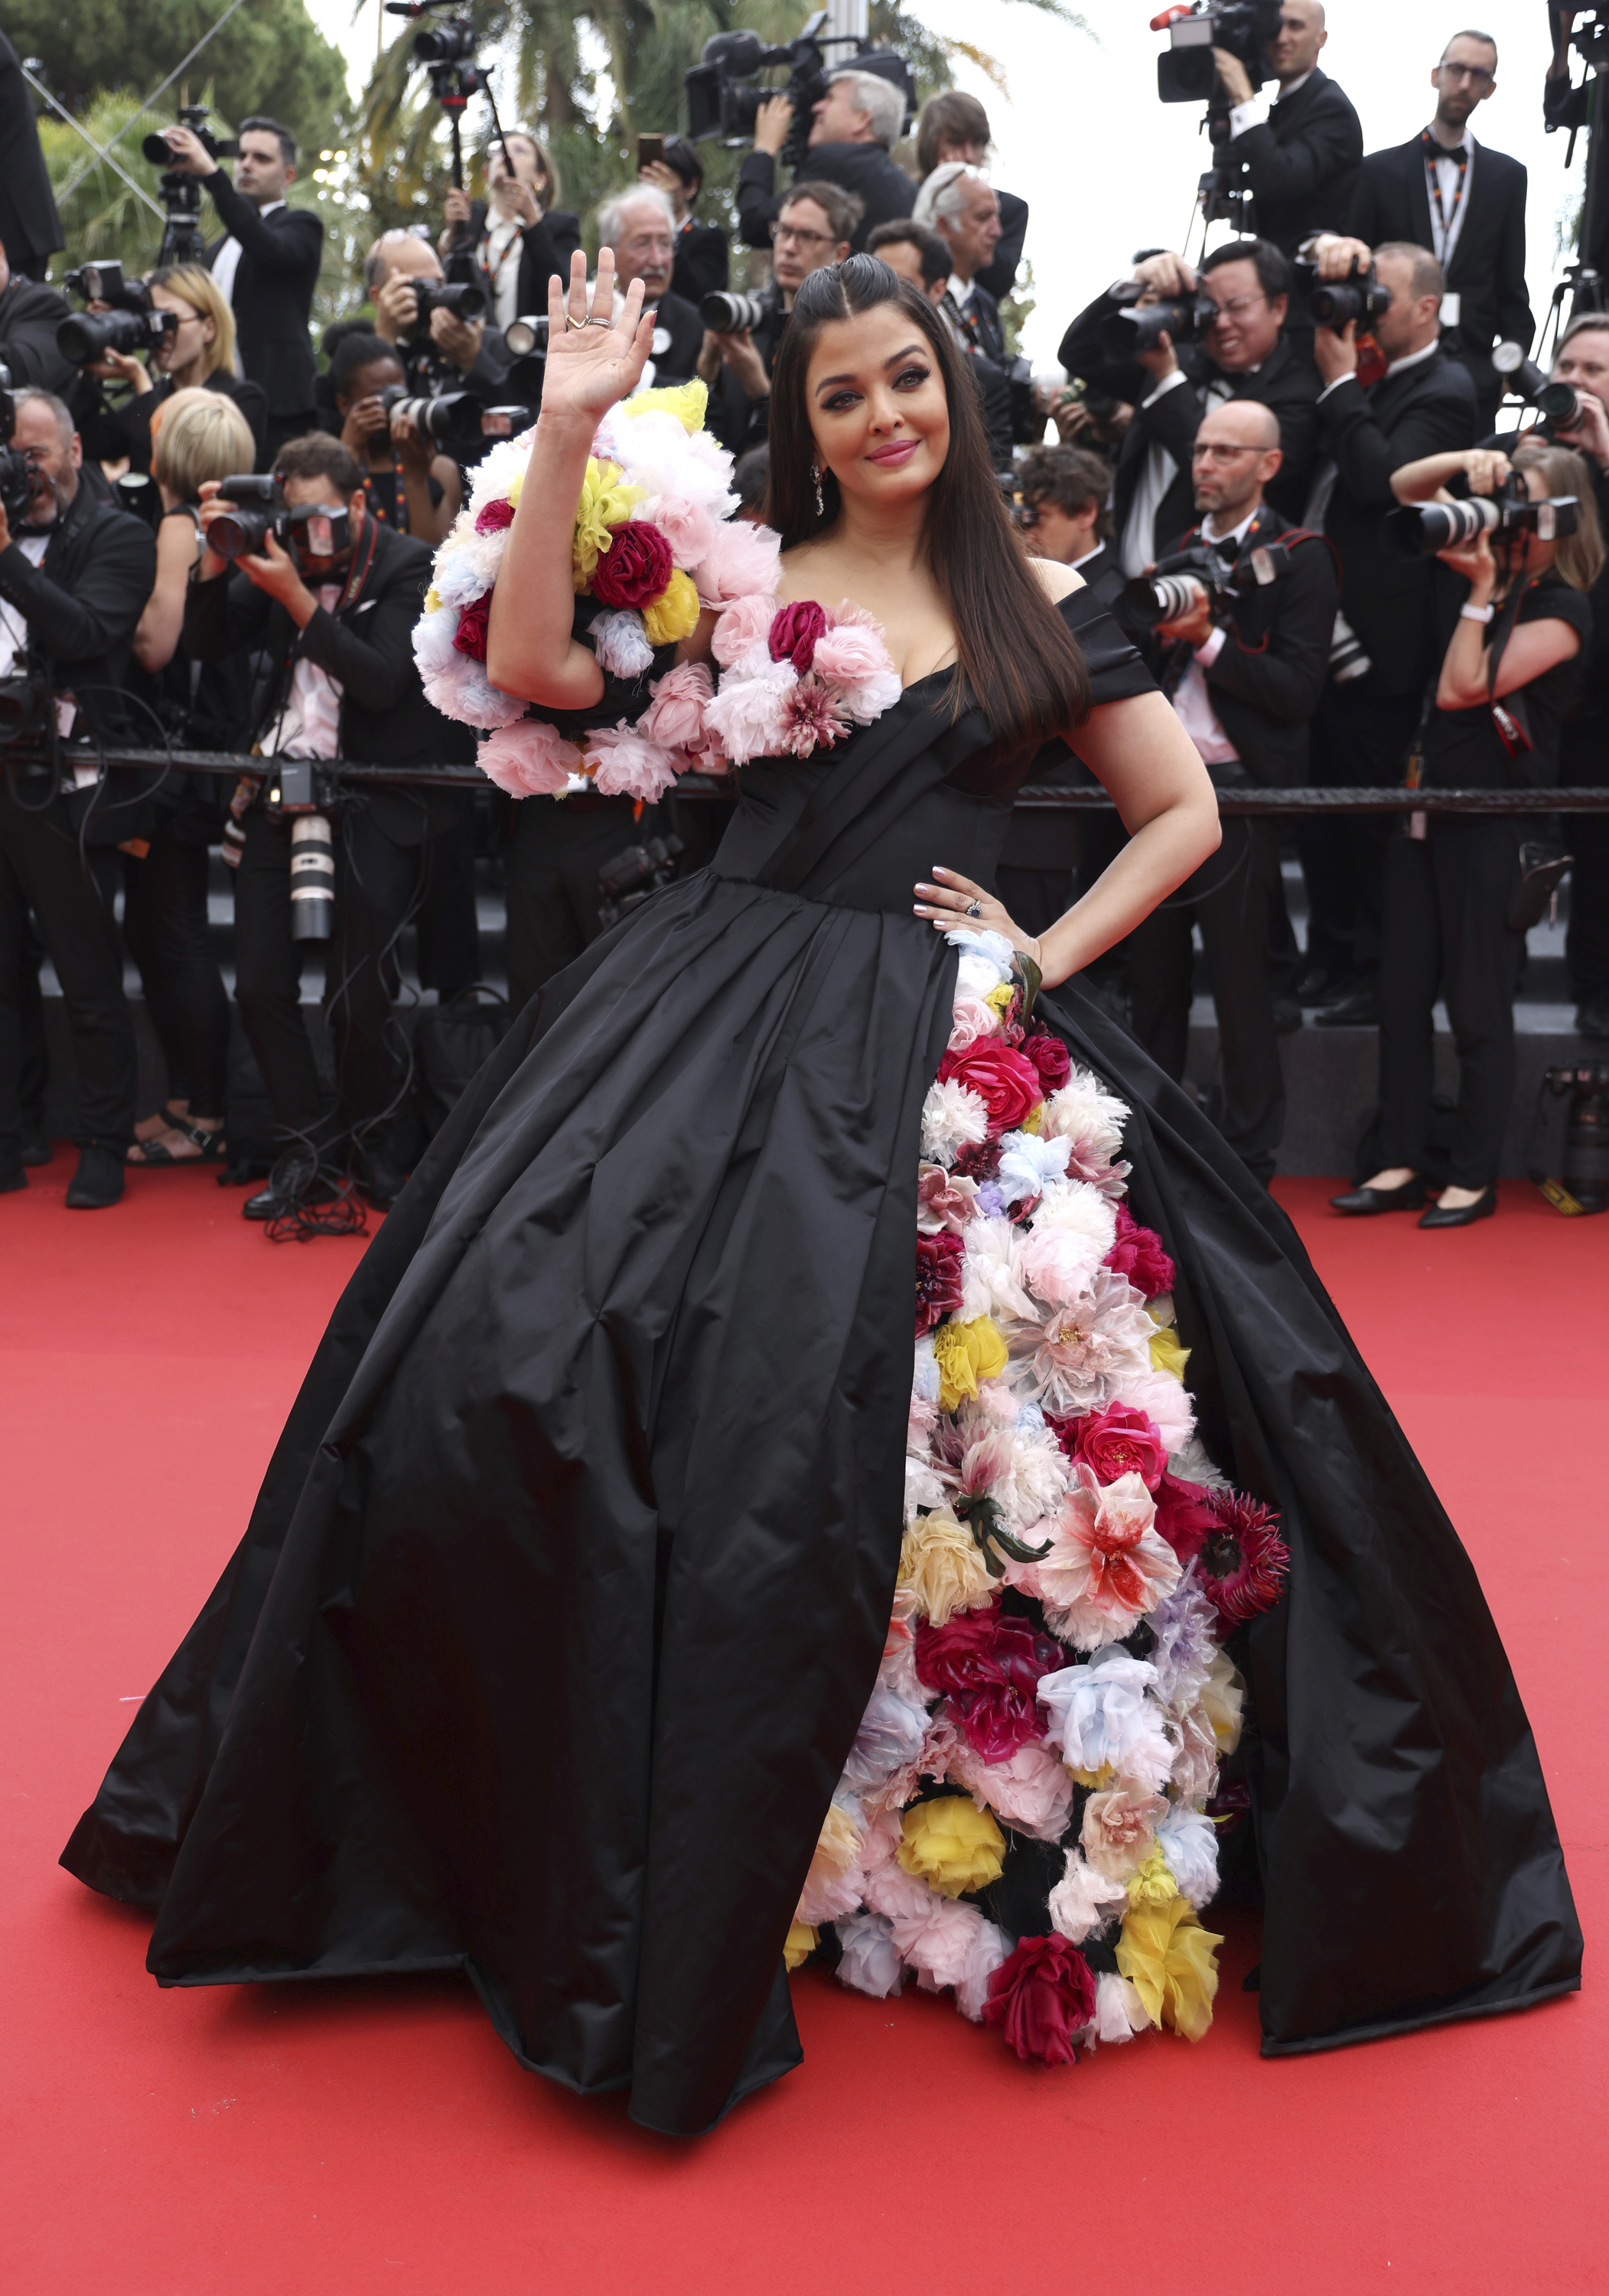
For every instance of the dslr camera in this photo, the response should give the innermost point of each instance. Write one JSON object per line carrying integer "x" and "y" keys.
{"x": 464, "y": 301}
{"x": 182, "y": 237}
{"x": 724, "y": 93}
{"x": 1177, "y": 585}
{"x": 317, "y": 529}
{"x": 1134, "y": 327}
{"x": 16, "y": 472}
{"x": 131, "y": 324}
{"x": 1339, "y": 303}
{"x": 1419, "y": 530}
{"x": 725, "y": 313}
{"x": 1557, "y": 403}
{"x": 458, "y": 422}
{"x": 626, "y": 878}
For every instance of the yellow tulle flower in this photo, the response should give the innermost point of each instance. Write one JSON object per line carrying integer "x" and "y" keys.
{"x": 1222, "y": 1697}
{"x": 675, "y": 612}
{"x": 966, "y": 1353}
{"x": 942, "y": 1566}
{"x": 952, "y": 1845}
{"x": 801, "y": 1942}
{"x": 1000, "y": 996}
{"x": 1033, "y": 1119}
{"x": 1153, "y": 1884}
{"x": 685, "y": 400}
{"x": 1167, "y": 1354}
{"x": 512, "y": 490}
{"x": 432, "y": 600}
{"x": 1097, "y": 1781}
{"x": 1172, "y": 1962}
{"x": 606, "y": 502}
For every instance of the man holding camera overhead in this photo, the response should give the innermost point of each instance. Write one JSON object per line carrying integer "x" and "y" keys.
{"x": 853, "y": 129}
{"x": 332, "y": 598}
{"x": 1298, "y": 158}
{"x": 1244, "y": 661}
{"x": 266, "y": 266}
{"x": 75, "y": 576}
{"x": 1395, "y": 399}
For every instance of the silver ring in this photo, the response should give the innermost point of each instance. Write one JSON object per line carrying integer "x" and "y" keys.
{"x": 974, "y": 909}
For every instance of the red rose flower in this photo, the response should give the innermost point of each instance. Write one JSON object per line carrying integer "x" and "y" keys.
{"x": 492, "y": 517}
{"x": 1007, "y": 1084}
{"x": 636, "y": 568}
{"x": 1040, "y": 1997}
{"x": 938, "y": 1279}
{"x": 1243, "y": 1559}
{"x": 1116, "y": 1441}
{"x": 980, "y": 1648}
{"x": 1139, "y": 1255}
{"x": 794, "y": 632}
{"x": 998, "y": 1720}
{"x": 1051, "y": 1057}
{"x": 1184, "y": 1515}
{"x": 471, "y": 636}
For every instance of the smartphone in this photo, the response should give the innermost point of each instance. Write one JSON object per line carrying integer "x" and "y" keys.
{"x": 649, "y": 150}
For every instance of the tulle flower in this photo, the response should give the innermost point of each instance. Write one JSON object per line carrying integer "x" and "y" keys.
{"x": 1028, "y": 1165}
{"x": 1090, "y": 1120}
{"x": 625, "y": 765}
{"x": 812, "y": 718}
{"x": 1107, "y": 1722}
{"x": 742, "y": 628}
{"x": 1107, "y": 1565}
{"x": 832, "y": 1887}
{"x": 952, "y": 1846}
{"x": 942, "y": 1566}
{"x": 674, "y": 614}
{"x": 869, "y": 1959}
{"x": 1168, "y": 1352}
{"x": 675, "y": 717}
{"x": 1071, "y": 1236}
{"x": 747, "y": 715}
{"x": 944, "y": 1200}
{"x": 971, "y": 1020}
{"x": 938, "y": 1278}
{"x": 606, "y": 499}
{"x": 1189, "y": 1840}
{"x": 966, "y": 1353}
{"x": 1183, "y": 1646}
{"x": 1119, "y": 2012}
{"x": 794, "y": 631}
{"x": 1136, "y": 1253}
{"x": 1119, "y": 1830}
{"x": 800, "y": 1944}
{"x": 1172, "y": 1962}
{"x": 1042, "y": 1997}
{"x": 621, "y": 644}
{"x": 1029, "y": 1791}
{"x": 741, "y": 561}
{"x": 1242, "y": 1561}
{"x": 1086, "y": 1351}
{"x": 528, "y": 759}
{"x": 1083, "y": 1901}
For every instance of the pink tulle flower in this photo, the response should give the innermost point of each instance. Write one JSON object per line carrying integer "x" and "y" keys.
{"x": 628, "y": 766}
{"x": 529, "y": 759}
{"x": 741, "y": 559}
{"x": 744, "y": 624}
{"x": 746, "y": 718}
{"x": 1119, "y": 1828}
{"x": 1106, "y": 1563}
{"x": 972, "y": 1020}
{"x": 850, "y": 653}
{"x": 686, "y": 525}
{"x": 675, "y": 717}
{"x": 1139, "y": 1255}
{"x": 811, "y": 718}
{"x": 1032, "y": 1791}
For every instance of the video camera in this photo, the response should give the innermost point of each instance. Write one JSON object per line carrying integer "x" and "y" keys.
{"x": 1133, "y": 327}
{"x": 1186, "y": 73}
{"x": 1178, "y": 584}
{"x": 724, "y": 95}
{"x": 1557, "y": 403}
{"x": 182, "y": 238}
{"x": 1339, "y": 303}
{"x": 1419, "y": 530}
{"x": 133, "y": 323}
{"x": 318, "y": 529}
{"x": 458, "y": 422}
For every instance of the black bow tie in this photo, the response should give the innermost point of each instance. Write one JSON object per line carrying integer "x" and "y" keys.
{"x": 1459, "y": 152}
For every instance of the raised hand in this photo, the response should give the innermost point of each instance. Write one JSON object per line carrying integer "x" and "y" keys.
{"x": 593, "y": 362}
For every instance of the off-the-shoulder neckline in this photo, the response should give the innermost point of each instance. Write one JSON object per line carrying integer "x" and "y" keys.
{"x": 944, "y": 668}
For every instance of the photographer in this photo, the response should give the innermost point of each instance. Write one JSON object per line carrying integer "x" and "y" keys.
{"x": 640, "y": 225}
{"x": 446, "y": 351}
{"x": 919, "y": 255}
{"x": 197, "y": 353}
{"x": 1242, "y": 353}
{"x": 337, "y": 632}
{"x": 1506, "y": 678}
{"x": 266, "y": 265}
{"x": 1245, "y": 672}
{"x": 1467, "y": 205}
{"x": 405, "y": 485}
{"x": 954, "y": 127}
{"x": 853, "y": 129}
{"x": 73, "y": 579}
{"x": 1422, "y": 403}
{"x": 703, "y": 258}
{"x": 1299, "y": 158}
{"x": 28, "y": 222}
{"x": 814, "y": 229}
{"x": 29, "y": 315}
{"x": 511, "y": 242}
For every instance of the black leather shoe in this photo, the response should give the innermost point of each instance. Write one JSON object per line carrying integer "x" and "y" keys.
{"x": 1288, "y": 1015}
{"x": 1316, "y": 984}
{"x": 36, "y": 1147}
{"x": 1482, "y": 1208}
{"x": 1407, "y": 1198}
{"x": 97, "y": 1182}
{"x": 1591, "y": 1019}
{"x": 12, "y": 1177}
{"x": 1360, "y": 1008}
{"x": 297, "y": 1178}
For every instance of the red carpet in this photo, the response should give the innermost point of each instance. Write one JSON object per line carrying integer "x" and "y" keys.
{"x": 335, "y": 2141}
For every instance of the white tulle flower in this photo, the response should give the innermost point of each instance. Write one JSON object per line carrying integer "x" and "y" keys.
{"x": 1119, "y": 2012}
{"x": 1037, "y": 1479}
{"x": 870, "y": 1960}
{"x": 1105, "y": 1719}
{"x": 458, "y": 581}
{"x": 1090, "y": 1120}
{"x": 1164, "y": 1400}
{"x": 1189, "y": 1840}
{"x": 991, "y": 1284}
{"x": 463, "y": 691}
{"x": 621, "y": 642}
{"x": 868, "y": 697}
{"x": 952, "y": 1118}
{"x": 1074, "y": 1228}
{"x": 1090, "y": 1349}
{"x": 924, "y": 1486}
{"x": 746, "y": 716}
{"x": 982, "y": 941}
{"x": 1027, "y": 1168}
{"x": 926, "y": 1378}
{"x": 891, "y": 1733}
{"x": 1189, "y": 1462}
{"x": 1185, "y": 1646}
{"x": 986, "y": 1948}
{"x": 1083, "y": 1901}
{"x": 433, "y": 635}
{"x": 832, "y": 1887}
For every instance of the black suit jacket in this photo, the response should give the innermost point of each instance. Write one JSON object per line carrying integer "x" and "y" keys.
{"x": 1302, "y": 163}
{"x": 1389, "y": 600}
{"x": 1001, "y": 274}
{"x": 110, "y": 433}
{"x": 1270, "y": 669}
{"x": 30, "y": 225}
{"x": 865, "y": 169}
{"x": 29, "y": 317}
{"x": 273, "y": 295}
{"x": 680, "y": 358}
{"x": 367, "y": 648}
{"x": 1392, "y": 201}
{"x": 702, "y": 262}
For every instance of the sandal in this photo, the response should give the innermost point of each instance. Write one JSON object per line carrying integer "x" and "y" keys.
{"x": 155, "y": 1155}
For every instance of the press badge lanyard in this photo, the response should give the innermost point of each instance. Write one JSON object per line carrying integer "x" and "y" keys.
{"x": 1444, "y": 222}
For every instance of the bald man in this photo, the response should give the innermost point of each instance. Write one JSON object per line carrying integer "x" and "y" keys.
{"x": 1245, "y": 668}
{"x": 1299, "y": 157}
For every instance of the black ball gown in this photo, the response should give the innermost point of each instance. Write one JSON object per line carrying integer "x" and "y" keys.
{"x": 572, "y": 1577}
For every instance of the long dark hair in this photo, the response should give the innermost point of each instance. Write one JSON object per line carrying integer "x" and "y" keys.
{"x": 1018, "y": 662}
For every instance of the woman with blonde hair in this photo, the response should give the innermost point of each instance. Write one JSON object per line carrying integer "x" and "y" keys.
{"x": 197, "y": 352}
{"x": 196, "y": 435}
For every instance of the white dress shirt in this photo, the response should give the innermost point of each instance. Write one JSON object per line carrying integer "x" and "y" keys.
{"x": 1137, "y": 548}
{"x": 1444, "y": 240}
{"x": 309, "y": 724}
{"x": 1192, "y": 702}
{"x": 1257, "y": 106}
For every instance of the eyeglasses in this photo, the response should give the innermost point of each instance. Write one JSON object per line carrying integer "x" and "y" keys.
{"x": 783, "y": 233}
{"x": 1211, "y": 453}
{"x": 1477, "y": 75}
{"x": 1238, "y": 307}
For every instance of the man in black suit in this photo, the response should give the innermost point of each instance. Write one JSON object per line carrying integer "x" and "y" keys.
{"x": 963, "y": 207}
{"x": 1423, "y": 404}
{"x": 1245, "y": 676}
{"x": 266, "y": 265}
{"x": 511, "y": 243}
{"x": 30, "y": 225}
{"x": 337, "y": 632}
{"x": 29, "y": 315}
{"x": 446, "y": 352}
{"x": 74, "y": 579}
{"x": 1467, "y": 205}
{"x": 1244, "y": 353}
{"x": 953, "y": 126}
{"x": 641, "y": 225}
{"x": 1300, "y": 158}
{"x": 855, "y": 126}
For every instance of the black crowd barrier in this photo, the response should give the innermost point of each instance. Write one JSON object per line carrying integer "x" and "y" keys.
{"x": 336, "y": 772}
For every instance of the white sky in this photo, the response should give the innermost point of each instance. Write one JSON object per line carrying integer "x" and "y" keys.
{"x": 1106, "y": 168}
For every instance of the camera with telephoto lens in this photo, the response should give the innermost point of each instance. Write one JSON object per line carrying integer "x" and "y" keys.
{"x": 193, "y": 116}
{"x": 260, "y": 509}
{"x": 725, "y": 92}
{"x": 89, "y": 335}
{"x": 1557, "y": 403}
{"x": 727, "y": 314}
{"x": 626, "y": 878}
{"x": 1339, "y": 303}
{"x": 16, "y": 470}
{"x": 1134, "y": 327}
{"x": 104, "y": 283}
{"x": 527, "y": 337}
{"x": 463, "y": 300}
{"x": 295, "y": 791}
{"x": 1176, "y": 584}
{"x": 458, "y": 422}
{"x": 1419, "y": 530}
{"x": 1582, "y": 1185}
{"x": 1186, "y": 72}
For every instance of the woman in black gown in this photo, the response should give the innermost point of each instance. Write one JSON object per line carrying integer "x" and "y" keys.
{"x": 572, "y": 1575}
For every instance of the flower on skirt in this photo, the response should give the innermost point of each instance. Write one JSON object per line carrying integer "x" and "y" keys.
{"x": 966, "y": 1353}
{"x": 1243, "y": 1560}
{"x": 801, "y": 1943}
{"x": 1042, "y": 1997}
{"x": 952, "y": 1846}
{"x": 942, "y": 1566}
{"x": 1172, "y": 1962}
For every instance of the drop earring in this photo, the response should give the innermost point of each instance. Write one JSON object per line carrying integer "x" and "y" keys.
{"x": 815, "y": 472}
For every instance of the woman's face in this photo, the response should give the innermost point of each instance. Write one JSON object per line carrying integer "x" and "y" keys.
{"x": 176, "y": 354}
{"x": 876, "y": 399}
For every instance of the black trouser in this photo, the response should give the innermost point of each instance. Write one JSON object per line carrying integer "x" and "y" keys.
{"x": 377, "y": 883}
{"x": 1359, "y": 742}
{"x": 1584, "y": 764}
{"x": 551, "y": 877}
{"x": 33, "y": 1074}
{"x": 70, "y": 892}
{"x": 165, "y": 925}
{"x": 1447, "y": 898}
{"x": 1233, "y": 896}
